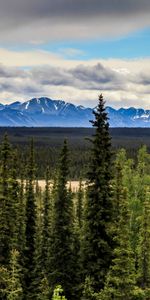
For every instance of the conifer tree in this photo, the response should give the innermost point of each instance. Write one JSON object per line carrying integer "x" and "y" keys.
{"x": 5, "y": 204}
{"x": 97, "y": 241}
{"x": 79, "y": 206}
{"x": 137, "y": 198}
{"x": 121, "y": 279}
{"x": 21, "y": 220}
{"x": 118, "y": 186}
{"x": 30, "y": 230}
{"x": 88, "y": 292}
{"x": 44, "y": 290}
{"x": 144, "y": 247}
{"x": 14, "y": 289}
{"x": 46, "y": 232}
{"x": 61, "y": 261}
{"x": 4, "y": 276}
{"x": 14, "y": 199}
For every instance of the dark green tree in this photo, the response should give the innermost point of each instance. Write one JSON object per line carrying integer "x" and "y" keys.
{"x": 46, "y": 232}
{"x": 21, "y": 219}
{"x": 15, "y": 202}
{"x": 121, "y": 279}
{"x": 30, "y": 229}
{"x": 44, "y": 290}
{"x": 14, "y": 289}
{"x": 144, "y": 247}
{"x": 61, "y": 260}
{"x": 6, "y": 223}
{"x": 79, "y": 205}
{"x": 97, "y": 241}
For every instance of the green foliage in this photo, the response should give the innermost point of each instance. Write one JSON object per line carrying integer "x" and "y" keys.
{"x": 6, "y": 203}
{"x": 57, "y": 295}
{"x": 12, "y": 289}
{"x": 4, "y": 277}
{"x": 97, "y": 241}
{"x": 47, "y": 219}
{"x": 94, "y": 243}
{"x": 144, "y": 245}
{"x": 121, "y": 278}
{"x": 79, "y": 205}
{"x": 44, "y": 290}
{"x": 88, "y": 291}
{"x": 61, "y": 259}
{"x": 30, "y": 227}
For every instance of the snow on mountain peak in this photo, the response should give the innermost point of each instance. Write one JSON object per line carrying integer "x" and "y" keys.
{"x": 47, "y": 112}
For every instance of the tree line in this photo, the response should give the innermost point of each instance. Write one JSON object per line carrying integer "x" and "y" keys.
{"x": 90, "y": 245}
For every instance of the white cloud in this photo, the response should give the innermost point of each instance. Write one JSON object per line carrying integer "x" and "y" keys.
{"x": 123, "y": 82}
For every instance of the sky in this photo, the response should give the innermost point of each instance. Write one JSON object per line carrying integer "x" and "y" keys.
{"x": 74, "y": 50}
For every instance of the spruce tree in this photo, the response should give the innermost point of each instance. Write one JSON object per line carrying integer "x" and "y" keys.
{"x": 137, "y": 197}
{"x": 144, "y": 247}
{"x": 46, "y": 229}
{"x": 97, "y": 240}
{"x": 121, "y": 279}
{"x": 21, "y": 220}
{"x": 79, "y": 206}
{"x": 6, "y": 223}
{"x": 30, "y": 230}
{"x": 61, "y": 260}
{"x": 44, "y": 290}
{"x": 14, "y": 289}
{"x": 4, "y": 277}
{"x": 14, "y": 199}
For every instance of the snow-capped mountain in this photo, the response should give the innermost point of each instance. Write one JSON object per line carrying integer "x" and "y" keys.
{"x": 47, "y": 112}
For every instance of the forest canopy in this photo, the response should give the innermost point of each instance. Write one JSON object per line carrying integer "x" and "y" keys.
{"x": 92, "y": 244}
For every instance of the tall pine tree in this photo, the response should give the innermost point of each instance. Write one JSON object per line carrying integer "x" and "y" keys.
{"x": 6, "y": 223}
{"x": 30, "y": 230}
{"x": 121, "y": 279}
{"x": 61, "y": 260}
{"x": 144, "y": 247}
{"x": 46, "y": 230}
{"x": 97, "y": 241}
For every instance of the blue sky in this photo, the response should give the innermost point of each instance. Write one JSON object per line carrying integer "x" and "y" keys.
{"x": 131, "y": 46}
{"x": 74, "y": 50}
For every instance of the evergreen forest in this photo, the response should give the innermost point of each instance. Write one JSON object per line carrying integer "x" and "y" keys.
{"x": 92, "y": 244}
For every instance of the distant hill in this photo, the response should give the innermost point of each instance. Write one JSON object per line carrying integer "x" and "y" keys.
{"x": 45, "y": 112}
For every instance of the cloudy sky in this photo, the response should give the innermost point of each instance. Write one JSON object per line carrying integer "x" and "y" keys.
{"x": 75, "y": 49}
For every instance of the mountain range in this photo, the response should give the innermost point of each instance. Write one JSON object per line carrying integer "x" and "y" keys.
{"x": 45, "y": 112}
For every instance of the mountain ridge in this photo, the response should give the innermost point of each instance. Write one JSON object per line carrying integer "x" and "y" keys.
{"x": 45, "y": 112}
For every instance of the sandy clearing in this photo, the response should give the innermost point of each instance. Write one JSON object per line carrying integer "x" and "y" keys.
{"x": 74, "y": 184}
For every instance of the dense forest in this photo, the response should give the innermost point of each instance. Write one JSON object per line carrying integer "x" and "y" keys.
{"x": 90, "y": 245}
{"x": 48, "y": 141}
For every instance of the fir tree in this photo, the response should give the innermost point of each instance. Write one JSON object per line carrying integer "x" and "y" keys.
{"x": 30, "y": 230}
{"x": 97, "y": 241}
{"x": 6, "y": 206}
{"x": 14, "y": 199}
{"x": 121, "y": 279}
{"x": 144, "y": 247}
{"x": 21, "y": 220}
{"x": 4, "y": 277}
{"x": 14, "y": 289}
{"x": 47, "y": 208}
{"x": 88, "y": 292}
{"x": 79, "y": 206}
{"x": 44, "y": 290}
{"x": 62, "y": 263}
